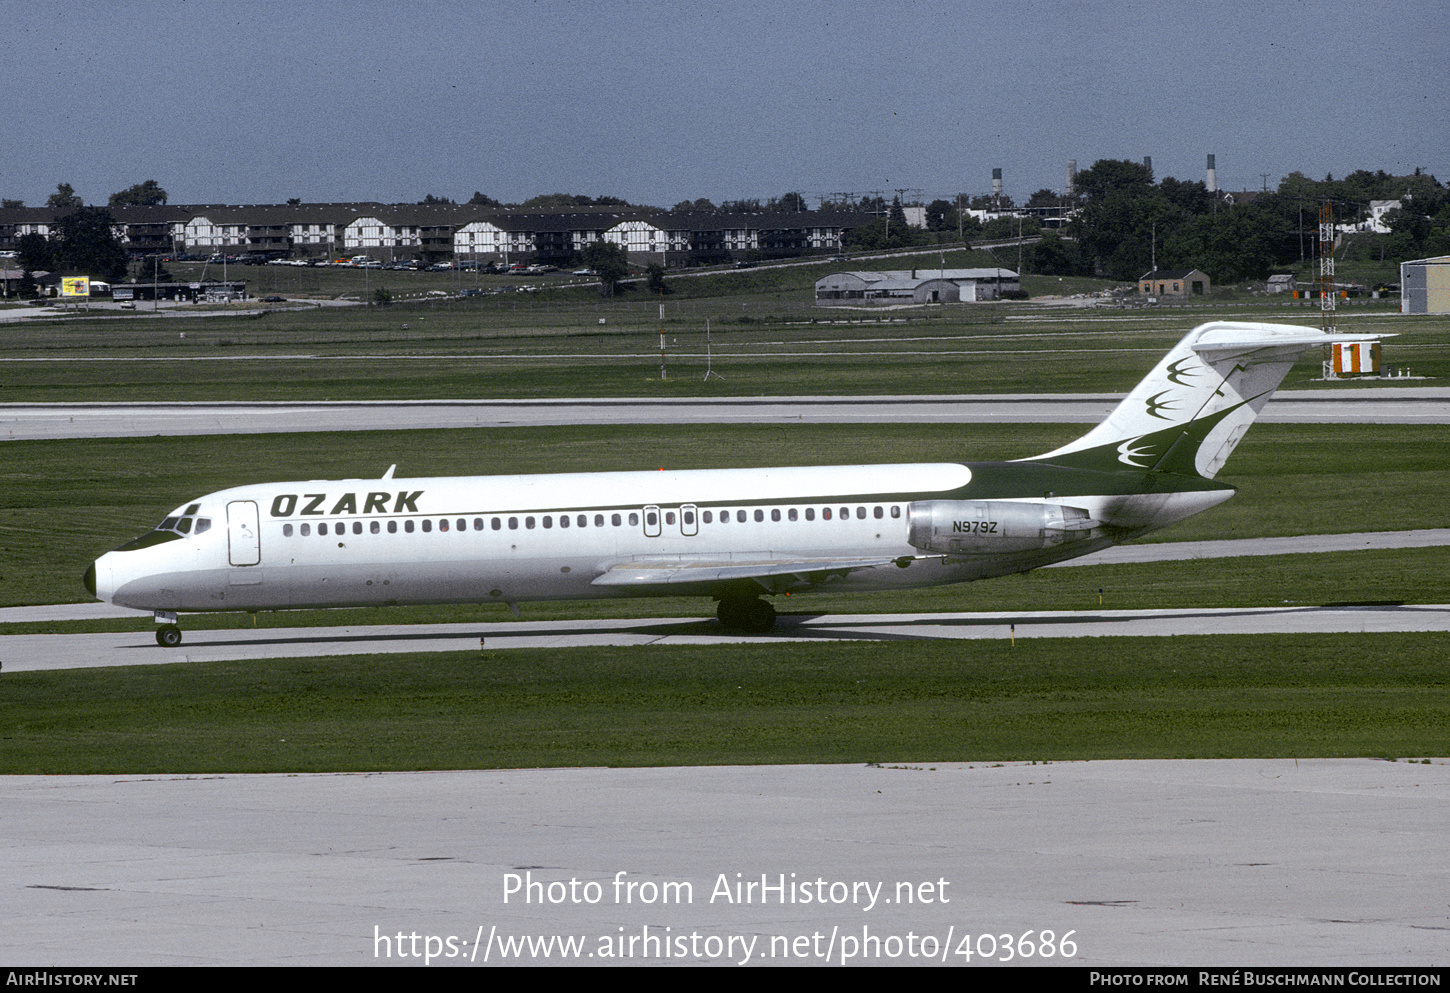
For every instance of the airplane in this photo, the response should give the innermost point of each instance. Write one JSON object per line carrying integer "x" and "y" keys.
{"x": 734, "y": 535}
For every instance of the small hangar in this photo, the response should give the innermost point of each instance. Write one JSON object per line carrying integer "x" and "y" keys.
{"x": 910, "y": 286}
{"x": 1425, "y": 286}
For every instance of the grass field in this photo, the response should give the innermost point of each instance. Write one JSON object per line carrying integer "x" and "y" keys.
{"x": 552, "y": 344}
{"x": 64, "y": 502}
{"x": 920, "y": 702}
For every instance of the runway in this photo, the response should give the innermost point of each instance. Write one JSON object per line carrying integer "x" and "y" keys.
{"x": 1373, "y": 405}
{"x": 1213, "y": 863}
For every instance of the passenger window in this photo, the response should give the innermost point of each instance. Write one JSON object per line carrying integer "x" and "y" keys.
{"x": 634, "y": 520}
{"x": 408, "y": 526}
{"x": 583, "y": 520}
{"x": 529, "y": 523}
{"x": 651, "y": 519}
{"x": 810, "y": 513}
{"x": 513, "y": 523}
{"x": 825, "y": 513}
{"x": 463, "y": 525}
{"x": 791, "y": 514}
{"x": 357, "y": 527}
{"x": 689, "y": 517}
{"x": 286, "y": 530}
{"x": 496, "y": 524}
{"x": 740, "y": 517}
{"x": 599, "y": 520}
{"x": 775, "y": 514}
{"x": 563, "y": 520}
{"x": 374, "y": 527}
{"x": 614, "y": 519}
{"x": 669, "y": 517}
{"x": 306, "y": 530}
{"x": 548, "y": 521}
{"x": 876, "y": 513}
{"x": 845, "y": 513}
{"x": 392, "y": 527}
{"x": 707, "y": 517}
{"x": 860, "y": 513}
{"x": 895, "y": 511}
{"x": 428, "y": 525}
{"x": 322, "y": 529}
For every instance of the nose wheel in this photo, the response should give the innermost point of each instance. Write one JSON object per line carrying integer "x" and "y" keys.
{"x": 168, "y": 636}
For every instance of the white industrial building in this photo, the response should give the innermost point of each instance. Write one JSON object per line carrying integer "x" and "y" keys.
{"x": 846, "y": 289}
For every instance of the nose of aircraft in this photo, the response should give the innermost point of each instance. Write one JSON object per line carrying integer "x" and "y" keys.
{"x": 98, "y": 578}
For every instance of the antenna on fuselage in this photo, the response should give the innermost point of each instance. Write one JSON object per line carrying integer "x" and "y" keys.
{"x": 389, "y": 473}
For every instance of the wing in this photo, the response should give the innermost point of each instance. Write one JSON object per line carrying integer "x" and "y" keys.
{"x": 684, "y": 575}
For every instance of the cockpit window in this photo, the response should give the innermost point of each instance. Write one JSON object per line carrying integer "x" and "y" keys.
{"x": 186, "y": 524}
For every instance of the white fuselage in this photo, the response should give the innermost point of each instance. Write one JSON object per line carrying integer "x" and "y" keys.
{"x": 504, "y": 539}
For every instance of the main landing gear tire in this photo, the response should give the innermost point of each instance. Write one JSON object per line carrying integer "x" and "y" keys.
{"x": 752, "y": 616}
{"x": 168, "y": 636}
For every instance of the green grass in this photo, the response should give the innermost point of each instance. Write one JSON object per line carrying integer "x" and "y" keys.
{"x": 64, "y": 502}
{"x": 1044, "y": 699}
{"x": 552, "y": 345}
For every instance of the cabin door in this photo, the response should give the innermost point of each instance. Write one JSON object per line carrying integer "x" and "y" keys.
{"x": 244, "y": 543}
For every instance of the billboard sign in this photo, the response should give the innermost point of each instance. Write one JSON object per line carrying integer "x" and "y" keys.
{"x": 75, "y": 286}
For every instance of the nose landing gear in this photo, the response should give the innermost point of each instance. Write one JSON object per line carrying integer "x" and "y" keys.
{"x": 168, "y": 635}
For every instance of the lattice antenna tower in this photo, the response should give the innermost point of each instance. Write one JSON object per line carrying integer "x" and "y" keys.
{"x": 1325, "y": 282}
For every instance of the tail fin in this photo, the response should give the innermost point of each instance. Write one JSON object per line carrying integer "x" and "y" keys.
{"x": 1190, "y": 412}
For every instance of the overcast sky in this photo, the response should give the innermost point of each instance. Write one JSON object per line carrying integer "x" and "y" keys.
{"x": 256, "y": 101}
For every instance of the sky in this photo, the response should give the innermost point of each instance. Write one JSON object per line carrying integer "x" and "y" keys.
{"x": 258, "y": 101}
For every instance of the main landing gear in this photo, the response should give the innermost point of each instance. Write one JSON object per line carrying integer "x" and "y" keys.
{"x": 749, "y": 614}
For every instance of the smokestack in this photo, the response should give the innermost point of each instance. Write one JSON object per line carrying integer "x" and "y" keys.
{"x": 1148, "y": 164}
{"x": 1071, "y": 178}
{"x": 1212, "y": 181}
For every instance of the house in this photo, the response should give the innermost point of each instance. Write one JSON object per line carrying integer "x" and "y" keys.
{"x": 1174, "y": 283}
{"x": 1283, "y": 283}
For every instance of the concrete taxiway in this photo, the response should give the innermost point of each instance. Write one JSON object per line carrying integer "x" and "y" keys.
{"x": 1375, "y": 405}
{"x": 1209, "y": 863}
{"x": 30, "y": 652}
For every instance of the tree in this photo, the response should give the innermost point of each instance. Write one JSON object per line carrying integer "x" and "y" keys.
{"x": 936, "y": 215}
{"x": 11, "y": 204}
{"x": 1108, "y": 175}
{"x": 36, "y": 254}
{"x": 87, "y": 244}
{"x": 656, "y": 273}
{"x": 147, "y": 194}
{"x": 479, "y": 200}
{"x": 429, "y": 199}
{"x": 609, "y": 261}
{"x": 64, "y": 197}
